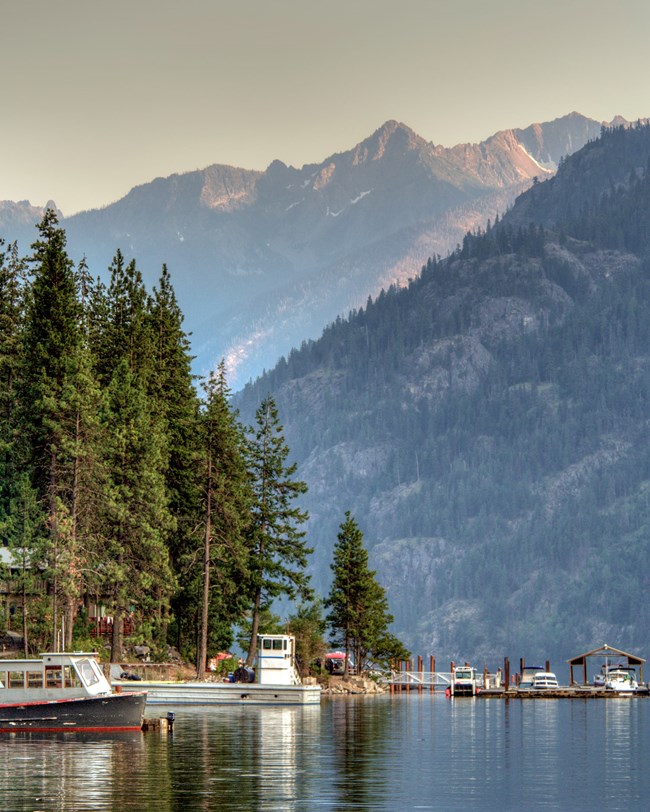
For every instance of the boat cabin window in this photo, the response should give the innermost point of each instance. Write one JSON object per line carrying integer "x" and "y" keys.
{"x": 34, "y": 679}
{"x": 276, "y": 645}
{"x": 53, "y": 676}
{"x": 87, "y": 672}
{"x": 16, "y": 679}
{"x": 71, "y": 678}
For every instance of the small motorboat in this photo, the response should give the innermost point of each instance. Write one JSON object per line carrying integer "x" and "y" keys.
{"x": 544, "y": 681}
{"x": 622, "y": 680}
{"x": 63, "y": 691}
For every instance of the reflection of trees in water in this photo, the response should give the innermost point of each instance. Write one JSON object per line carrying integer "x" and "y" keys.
{"x": 71, "y": 770}
{"x": 361, "y": 732}
{"x": 244, "y": 758}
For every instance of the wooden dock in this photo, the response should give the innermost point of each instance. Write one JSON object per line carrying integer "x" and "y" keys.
{"x": 410, "y": 676}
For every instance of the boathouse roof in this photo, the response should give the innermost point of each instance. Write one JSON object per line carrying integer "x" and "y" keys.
{"x": 606, "y": 651}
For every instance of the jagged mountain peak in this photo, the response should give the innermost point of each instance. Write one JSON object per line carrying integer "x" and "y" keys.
{"x": 391, "y": 136}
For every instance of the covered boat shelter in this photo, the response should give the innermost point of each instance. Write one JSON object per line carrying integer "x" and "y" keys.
{"x": 605, "y": 652}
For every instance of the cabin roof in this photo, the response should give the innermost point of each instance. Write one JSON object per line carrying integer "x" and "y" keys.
{"x": 606, "y": 651}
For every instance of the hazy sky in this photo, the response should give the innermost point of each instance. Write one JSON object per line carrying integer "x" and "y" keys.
{"x": 97, "y": 97}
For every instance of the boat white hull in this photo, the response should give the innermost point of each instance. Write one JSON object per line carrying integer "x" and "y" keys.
{"x": 227, "y": 693}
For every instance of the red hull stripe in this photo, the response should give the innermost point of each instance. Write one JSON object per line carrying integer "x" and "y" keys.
{"x": 67, "y": 729}
{"x": 72, "y": 699}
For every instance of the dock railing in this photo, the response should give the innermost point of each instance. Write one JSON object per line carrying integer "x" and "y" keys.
{"x": 436, "y": 680}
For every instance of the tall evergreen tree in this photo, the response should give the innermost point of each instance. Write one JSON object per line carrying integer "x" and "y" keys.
{"x": 52, "y": 342}
{"x": 278, "y": 549}
{"x": 176, "y": 403}
{"x": 137, "y": 574}
{"x": 139, "y": 520}
{"x": 12, "y": 307}
{"x": 358, "y": 616}
{"x": 227, "y": 501}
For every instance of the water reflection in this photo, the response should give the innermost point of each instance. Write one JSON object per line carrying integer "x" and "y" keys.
{"x": 370, "y": 754}
{"x": 65, "y": 770}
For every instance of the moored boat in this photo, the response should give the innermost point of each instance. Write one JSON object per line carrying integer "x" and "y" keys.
{"x": 64, "y": 691}
{"x": 545, "y": 681}
{"x": 275, "y": 682}
{"x": 620, "y": 679}
{"x": 463, "y": 681}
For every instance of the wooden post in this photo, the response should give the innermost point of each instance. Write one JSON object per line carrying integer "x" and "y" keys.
{"x": 548, "y": 665}
{"x": 419, "y": 674}
{"x": 506, "y": 673}
{"x": 432, "y": 668}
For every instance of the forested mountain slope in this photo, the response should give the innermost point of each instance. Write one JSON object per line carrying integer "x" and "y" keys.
{"x": 488, "y": 426}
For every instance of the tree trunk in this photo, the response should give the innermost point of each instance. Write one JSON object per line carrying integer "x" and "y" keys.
{"x": 117, "y": 637}
{"x": 205, "y": 604}
{"x": 252, "y": 647}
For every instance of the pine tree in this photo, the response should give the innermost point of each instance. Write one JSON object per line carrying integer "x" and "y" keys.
{"x": 52, "y": 342}
{"x": 139, "y": 522}
{"x": 12, "y": 307}
{"x": 278, "y": 550}
{"x": 28, "y": 545}
{"x": 227, "y": 501}
{"x": 358, "y": 616}
{"x": 308, "y": 627}
{"x": 138, "y": 575}
{"x": 176, "y": 403}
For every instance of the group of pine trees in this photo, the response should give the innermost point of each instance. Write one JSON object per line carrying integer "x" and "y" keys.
{"x": 120, "y": 486}
{"x": 123, "y": 489}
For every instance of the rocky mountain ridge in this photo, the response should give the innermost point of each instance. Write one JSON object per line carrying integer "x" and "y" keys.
{"x": 263, "y": 260}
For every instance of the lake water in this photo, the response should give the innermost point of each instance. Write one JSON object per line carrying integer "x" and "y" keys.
{"x": 366, "y": 753}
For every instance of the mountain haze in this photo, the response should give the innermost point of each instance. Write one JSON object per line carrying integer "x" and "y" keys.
{"x": 262, "y": 260}
{"x": 488, "y": 425}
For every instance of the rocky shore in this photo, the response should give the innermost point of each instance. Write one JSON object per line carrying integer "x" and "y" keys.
{"x": 347, "y": 686}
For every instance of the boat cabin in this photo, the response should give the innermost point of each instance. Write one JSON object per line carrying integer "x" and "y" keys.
{"x": 276, "y": 660}
{"x": 463, "y": 681}
{"x": 53, "y": 676}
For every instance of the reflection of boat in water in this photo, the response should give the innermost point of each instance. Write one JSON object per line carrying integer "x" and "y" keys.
{"x": 277, "y": 682}
{"x": 62, "y": 692}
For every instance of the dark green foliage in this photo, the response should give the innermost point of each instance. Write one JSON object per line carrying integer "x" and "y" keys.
{"x": 12, "y": 306}
{"x": 119, "y": 488}
{"x": 308, "y": 627}
{"x": 279, "y": 553}
{"x": 359, "y": 618}
{"x": 226, "y": 500}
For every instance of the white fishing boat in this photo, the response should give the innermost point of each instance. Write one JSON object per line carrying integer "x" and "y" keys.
{"x": 620, "y": 679}
{"x": 63, "y": 691}
{"x": 463, "y": 681}
{"x": 275, "y": 682}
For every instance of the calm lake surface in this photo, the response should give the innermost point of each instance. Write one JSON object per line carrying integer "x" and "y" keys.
{"x": 365, "y": 753}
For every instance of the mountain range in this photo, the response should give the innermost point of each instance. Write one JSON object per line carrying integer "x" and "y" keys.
{"x": 264, "y": 260}
{"x": 487, "y": 425}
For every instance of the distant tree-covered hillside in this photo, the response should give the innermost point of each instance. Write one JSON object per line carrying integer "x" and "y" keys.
{"x": 488, "y": 425}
